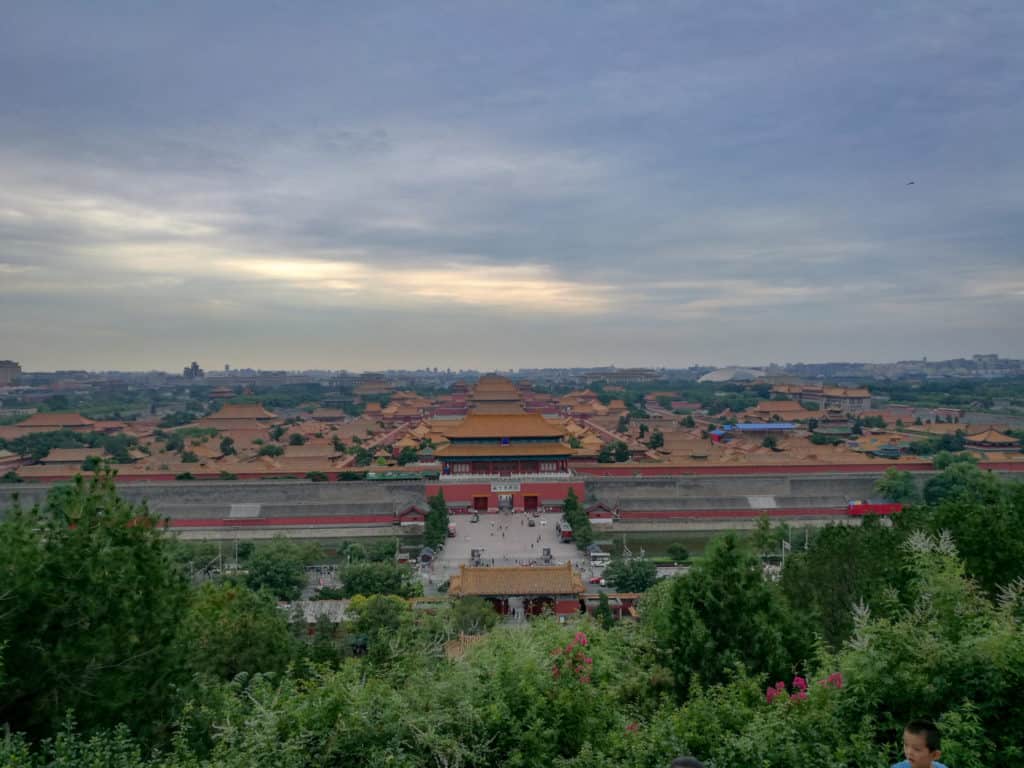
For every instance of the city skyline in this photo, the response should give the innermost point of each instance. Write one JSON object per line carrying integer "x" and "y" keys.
{"x": 322, "y": 187}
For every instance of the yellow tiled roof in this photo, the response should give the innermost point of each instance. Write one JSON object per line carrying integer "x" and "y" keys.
{"x": 499, "y": 426}
{"x": 516, "y": 580}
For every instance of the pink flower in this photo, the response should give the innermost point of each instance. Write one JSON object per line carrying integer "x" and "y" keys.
{"x": 632, "y": 727}
{"x": 780, "y": 687}
{"x": 770, "y": 694}
{"x": 585, "y": 679}
{"x": 799, "y": 683}
{"x": 836, "y": 679}
{"x": 798, "y": 696}
{"x": 588, "y": 660}
{"x": 581, "y": 638}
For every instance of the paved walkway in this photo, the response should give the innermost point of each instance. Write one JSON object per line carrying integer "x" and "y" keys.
{"x": 505, "y": 539}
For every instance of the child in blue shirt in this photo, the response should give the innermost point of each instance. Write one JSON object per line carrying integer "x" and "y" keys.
{"x": 921, "y": 742}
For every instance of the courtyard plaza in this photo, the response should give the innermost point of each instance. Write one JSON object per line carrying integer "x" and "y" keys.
{"x": 504, "y": 539}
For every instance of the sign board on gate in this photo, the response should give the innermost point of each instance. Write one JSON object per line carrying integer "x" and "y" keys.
{"x": 505, "y": 487}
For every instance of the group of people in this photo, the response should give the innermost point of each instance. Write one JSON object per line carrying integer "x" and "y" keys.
{"x": 922, "y": 744}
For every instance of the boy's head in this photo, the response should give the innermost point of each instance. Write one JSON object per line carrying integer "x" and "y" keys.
{"x": 686, "y": 762}
{"x": 921, "y": 742}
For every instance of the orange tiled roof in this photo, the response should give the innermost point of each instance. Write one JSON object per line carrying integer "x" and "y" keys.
{"x": 328, "y": 413}
{"x": 72, "y": 455}
{"x": 55, "y": 421}
{"x": 513, "y": 450}
{"x": 233, "y": 411}
{"x": 516, "y": 580}
{"x": 499, "y": 426}
{"x": 991, "y": 436}
{"x": 846, "y": 392}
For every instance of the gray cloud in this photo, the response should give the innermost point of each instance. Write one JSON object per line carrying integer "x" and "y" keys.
{"x": 463, "y": 185}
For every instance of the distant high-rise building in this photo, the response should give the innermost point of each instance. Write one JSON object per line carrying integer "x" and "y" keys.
{"x": 193, "y": 371}
{"x": 10, "y": 371}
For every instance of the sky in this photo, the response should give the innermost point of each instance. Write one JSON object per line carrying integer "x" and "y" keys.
{"x": 291, "y": 185}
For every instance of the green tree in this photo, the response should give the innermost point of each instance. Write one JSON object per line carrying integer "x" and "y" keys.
{"x": 317, "y": 477}
{"x": 271, "y": 450}
{"x": 657, "y": 439}
{"x": 688, "y": 422}
{"x": 721, "y": 614}
{"x": 473, "y": 615}
{"x": 621, "y": 451}
{"x": 436, "y": 524}
{"x": 230, "y": 629}
{"x": 984, "y": 515}
{"x": 574, "y": 514}
{"x": 278, "y": 566}
{"x": 92, "y": 464}
{"x": 844, "y": 566}
{"x": 276, "y": 433}
{"x": 644, "y": 429}
{"x": 380, "y": 551}
{"x": 623, "y": 425}
{"x": 90, "y": 603}
{"x": 770, "y": 442}
{"x": 766, "y": 538}
{"x": 364, "y": 457}
{"x": 634, "y": 575}
{"x": 575, "y": 442}
{"x": 897, "y": 486}
{"x": 330, "y": 641}
{"x": 380, "y": 621}
{"x": 944, "y": 459}
{"x": 296, "y": 438}
{"x": 408, "y": 455}
{"x": 380, "y": 578}
{"x": 339, "y": 444}
{"x": 603, "y": 613}
{"x": 605, "y": 455}
{"x": 227, "y": 446}
{"x": 188, "y": 457}
{"x": 678, "y": 552}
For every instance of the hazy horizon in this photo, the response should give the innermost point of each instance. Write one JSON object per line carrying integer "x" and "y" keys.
{"x": 463, "y": 185}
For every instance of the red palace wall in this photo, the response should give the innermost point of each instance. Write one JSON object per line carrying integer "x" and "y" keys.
{"x": 543, "y": 490}
{"x": 655, "y": 470}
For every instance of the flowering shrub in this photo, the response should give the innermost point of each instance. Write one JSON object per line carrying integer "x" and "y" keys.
{"x": 835, "y": 680}
{"x": 572, "y": 661}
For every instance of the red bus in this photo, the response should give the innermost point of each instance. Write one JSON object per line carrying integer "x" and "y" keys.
{"x": 873, "y": 507}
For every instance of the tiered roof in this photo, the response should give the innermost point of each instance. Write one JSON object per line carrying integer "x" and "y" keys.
{"x": 233, "y": 411}
{"x": 991, "y": 437}
{"x": 520, "y": 425}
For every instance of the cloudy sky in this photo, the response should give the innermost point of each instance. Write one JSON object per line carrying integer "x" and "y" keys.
{"x": 370, "y": 185}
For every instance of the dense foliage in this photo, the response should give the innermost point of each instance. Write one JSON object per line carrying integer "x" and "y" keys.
{"x": 869, "y": 627}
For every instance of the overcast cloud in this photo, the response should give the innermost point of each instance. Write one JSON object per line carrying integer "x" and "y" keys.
{"x": 291, "y": 185}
